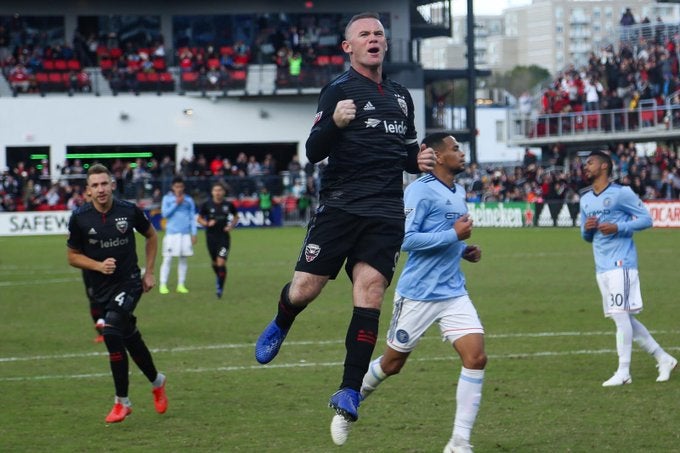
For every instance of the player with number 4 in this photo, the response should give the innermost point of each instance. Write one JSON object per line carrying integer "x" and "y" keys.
{"x": 102, "y": 242}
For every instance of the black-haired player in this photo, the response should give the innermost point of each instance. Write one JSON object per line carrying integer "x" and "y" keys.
{"x": 219, "y": 217}
{"x": 102, "y": 243}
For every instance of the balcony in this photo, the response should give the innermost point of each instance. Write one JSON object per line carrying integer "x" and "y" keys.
{"x": 647, "y": 123}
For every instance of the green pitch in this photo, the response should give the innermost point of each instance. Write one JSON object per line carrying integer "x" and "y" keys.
{"x": 549, "y": 350}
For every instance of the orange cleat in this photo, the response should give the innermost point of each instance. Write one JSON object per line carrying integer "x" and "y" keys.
{"x": 160, "y": 400}
{"x": 118, "y": 413}
{"x": 99, "y": 339}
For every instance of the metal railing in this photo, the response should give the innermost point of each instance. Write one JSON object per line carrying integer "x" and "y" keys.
{"x": 647, "y": 118}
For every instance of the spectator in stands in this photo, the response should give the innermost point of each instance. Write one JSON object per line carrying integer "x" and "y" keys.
{"x": 294, "y": 169}
{"x": 627, "y": 19}
{"x": 19, "y": 79}
{"x": 593, "y": 89}
{"x": 294, "y": 68}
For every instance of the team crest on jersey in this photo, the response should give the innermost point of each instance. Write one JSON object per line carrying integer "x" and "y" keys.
{"x": 402, "y": 336}
{"x": 408, "y": 211}
{"x": 402, "y": 103}
{"x": 317, "y": 117}
{"x": 311, "y": 252}
{"x": 607, "y": 202}
{"x": 122, "y": 225}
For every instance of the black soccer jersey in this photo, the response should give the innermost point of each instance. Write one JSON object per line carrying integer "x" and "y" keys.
{"x": 108, "y": 235}
{"x": 221, "y": 213}
{"x": 366, "y": 159}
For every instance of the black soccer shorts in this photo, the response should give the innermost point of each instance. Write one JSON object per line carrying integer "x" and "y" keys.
{"x": 219, "y": 247}
{"x": 335, "y": 236}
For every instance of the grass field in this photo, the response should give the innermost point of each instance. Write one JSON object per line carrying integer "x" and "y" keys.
{"x": 549, "y": 350}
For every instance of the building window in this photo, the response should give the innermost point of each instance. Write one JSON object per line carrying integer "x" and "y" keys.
{"x": 559, "y": 12}
{"x": 500, "y": 131}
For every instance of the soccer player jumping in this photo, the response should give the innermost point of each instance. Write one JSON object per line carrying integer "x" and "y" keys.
{"x": 365, "y": 126}
{"x": 610, "y": 214}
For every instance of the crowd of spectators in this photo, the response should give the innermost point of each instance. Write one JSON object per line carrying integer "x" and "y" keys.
{"x": 30, "y": 187}
{"x": 304, "y": 47}
{"x": 641, "y": 71}
{"x": 559, "y": 179}
{"x": 554, "y": 180}
{"x": 33, "y": 61}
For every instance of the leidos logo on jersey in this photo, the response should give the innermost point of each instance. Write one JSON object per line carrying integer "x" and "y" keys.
{"x": 114, "y": 243}
{"x": 395, "y": 127}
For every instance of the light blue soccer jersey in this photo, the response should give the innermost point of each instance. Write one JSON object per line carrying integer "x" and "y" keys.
{"x": 432, "y": 270}
{"x": 179, "y": 218}
{"x": 615, "y": 204}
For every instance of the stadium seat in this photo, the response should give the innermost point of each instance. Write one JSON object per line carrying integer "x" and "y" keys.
{"x": 60, "y": 65}
{"x": 106, "y": 65}
{"x": 322, "y": 60}
{"x": 102, "y": 51}
{"x": 226, "y": 50}
{"x": 337, "y": 60}
{"x": 190, "y": 80}
{"x": 159, "y": 64}
{"x": 213, "y": 63}
{"x": 73, "y": 65}
{"x": 167, "y": 81}
{"x": 48, "y": 64}
{"x": 115, "y": 52}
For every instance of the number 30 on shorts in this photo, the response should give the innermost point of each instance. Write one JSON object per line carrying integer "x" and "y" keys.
{"x": 615, "y": 300}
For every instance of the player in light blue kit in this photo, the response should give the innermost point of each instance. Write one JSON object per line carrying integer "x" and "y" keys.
{"x": 431, "y": 289}
{"x": 179, "y": 211}
{"x": 610, "y": 214}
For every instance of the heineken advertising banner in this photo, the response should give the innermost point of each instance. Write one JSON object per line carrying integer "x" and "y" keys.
{"x": 496, "y": 214}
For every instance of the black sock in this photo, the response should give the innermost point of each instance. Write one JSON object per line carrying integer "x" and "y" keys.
{"x": 287, "y": 311}
{"x": 362, "y": 334}
{"x": 214, "y": 267}
{"x": 96, "y": 312}
{"x": 221, "y": 275}
{"x": 141, "y": 355}
{"x": 118, "y": 360}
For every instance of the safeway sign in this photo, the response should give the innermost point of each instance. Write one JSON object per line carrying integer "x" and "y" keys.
{"x": 34, "y": 223}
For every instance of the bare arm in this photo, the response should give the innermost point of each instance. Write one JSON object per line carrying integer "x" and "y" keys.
{"x": 78, "y": 259}
{"x": 150, "y": 249}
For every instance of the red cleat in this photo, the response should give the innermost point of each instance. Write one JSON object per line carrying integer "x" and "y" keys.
{"x": 118, "y": 413}
{"x": 160, "y": 400}
{"x": 99, "y": 339}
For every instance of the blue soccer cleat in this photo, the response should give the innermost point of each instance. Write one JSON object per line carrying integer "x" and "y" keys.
{"x": 269, "y": 343}
{"x": 346, "y": 403}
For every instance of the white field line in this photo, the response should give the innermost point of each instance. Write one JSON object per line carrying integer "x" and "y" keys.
{"x": 304, "y": 364}
{"x": 305, "y": 343}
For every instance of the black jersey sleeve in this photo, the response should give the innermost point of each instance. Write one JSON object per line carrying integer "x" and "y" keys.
{"x": 411, "y": 139}
{"x": 412, "y": 158}
{"x": 75, "y": 236}
{"x": 142, "y": 223}
{"x": 324, "y": 131}
{"x": 204, "y": 211}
